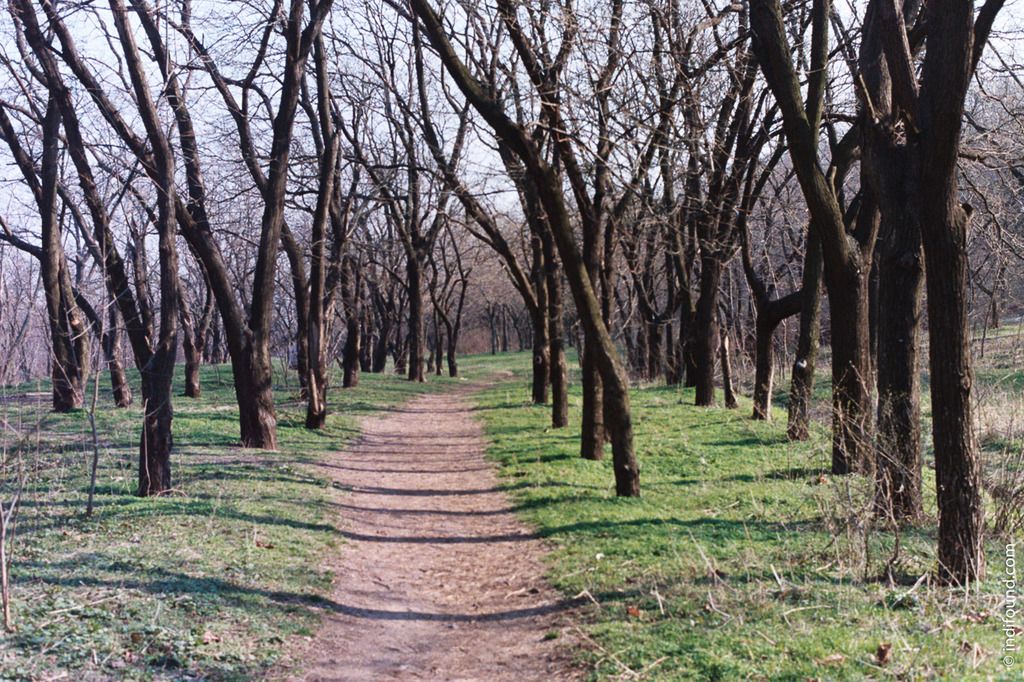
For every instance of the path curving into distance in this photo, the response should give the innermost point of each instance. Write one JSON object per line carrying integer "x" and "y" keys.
{"x": 437, "y": 578}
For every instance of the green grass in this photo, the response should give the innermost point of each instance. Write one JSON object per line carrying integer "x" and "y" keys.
{"x": 742, "y": 559}
{"x": 207, "y": 582}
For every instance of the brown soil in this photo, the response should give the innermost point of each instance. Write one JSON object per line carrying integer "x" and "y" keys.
{"x": 437, "y": 579}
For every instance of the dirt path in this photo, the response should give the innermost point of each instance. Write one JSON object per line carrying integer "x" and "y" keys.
{"x": 437, "y": 579}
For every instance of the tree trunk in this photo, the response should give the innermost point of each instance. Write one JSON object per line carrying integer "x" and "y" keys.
{"x": 380, "y": 350}
{"x": 957, "y": 460}
{"x": 592, "y": 434}
{"x": 654, "y": 351}
{"x": 764, "y": 369}
{"x": 415, "y": 280}
{"x": 303, "y": 305}
{"x": 504, "y": 328}
{"x": 155, "y": 444}
{"x": 253, "y": 375}
{"x": 673, "y": 373}
{"x": 366, "y": 345}
{"x": 122, "y": 390}
{"x": 898, "y": 444}
{"x": 400, "y": 352}
{"x": 556, "y": 336}
{"x": 318, "y": 375}
{"x": 492, "y": 321}
{"x": 851, "y": 372}
{"x": 66, "y": 327}
{"x": 351, "y": 352}
{"x": 770, "y": 313}
{"x": 807, "y": 343}
{"x": 453, "y": 364}
{"x": 705, "y": 331}
{"x": 727, "y": 386}
{"x": 193, "y": 357}
{"x": 541, "y": 355}
{"x": 439, "y": 347}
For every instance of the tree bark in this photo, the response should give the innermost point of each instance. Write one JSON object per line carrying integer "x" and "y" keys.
{"x": 541, "y": 355}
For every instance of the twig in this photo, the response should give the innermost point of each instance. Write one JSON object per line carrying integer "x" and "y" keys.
{"x": 586, "y": 593}
{"x": 785, "y": 614}
{"x": 661, "y": 602}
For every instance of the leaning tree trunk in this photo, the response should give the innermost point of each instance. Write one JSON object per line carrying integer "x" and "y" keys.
{"x": 69, "y": 342}
{"x": 592, "y": 427}
{"x": 547, "y": 183}
{"x": 109, "y": 343}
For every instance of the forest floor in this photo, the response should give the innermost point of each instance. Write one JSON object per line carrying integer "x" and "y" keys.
{"x": 438, "y": 577}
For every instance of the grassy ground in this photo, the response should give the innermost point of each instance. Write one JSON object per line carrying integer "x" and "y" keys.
{"x": 744, "y": 559}
{"x": 203, "y": 583}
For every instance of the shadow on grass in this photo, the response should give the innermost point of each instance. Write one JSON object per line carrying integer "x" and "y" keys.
{"x": 160, "y": 581}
